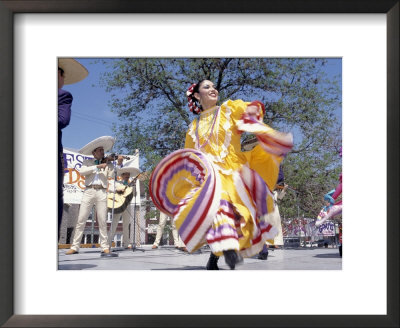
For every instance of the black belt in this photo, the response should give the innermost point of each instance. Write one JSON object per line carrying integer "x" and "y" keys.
{"x": 95, "y": 187}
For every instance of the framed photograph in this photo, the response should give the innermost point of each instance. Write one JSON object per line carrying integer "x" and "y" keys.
{"x": 363, "y": 33}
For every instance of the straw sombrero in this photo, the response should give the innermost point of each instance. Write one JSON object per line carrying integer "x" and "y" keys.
{"x": 129, "y": 169}
{"x": 106, "y": 142}
{"x": 73, "y": 70}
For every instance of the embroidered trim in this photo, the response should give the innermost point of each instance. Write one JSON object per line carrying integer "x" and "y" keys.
{"x": 209, "y": 131}
{"x": 228, "y": 132}
{"x": 228, "y": 136}
{"x": 191, "y": 131}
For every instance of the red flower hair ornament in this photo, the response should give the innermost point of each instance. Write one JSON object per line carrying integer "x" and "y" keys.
{"x": 191, "y": 103}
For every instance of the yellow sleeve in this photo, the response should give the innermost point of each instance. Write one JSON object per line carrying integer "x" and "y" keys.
{"x": 265, "y": 164}
{"x": 237, "y": 108}
{"x": 189, "y": 143}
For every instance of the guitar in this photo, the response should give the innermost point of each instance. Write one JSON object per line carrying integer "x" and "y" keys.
{"x": 122, "y": 200}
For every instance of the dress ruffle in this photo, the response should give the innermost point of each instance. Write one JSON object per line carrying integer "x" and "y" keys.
{"x": 329, "y": 213}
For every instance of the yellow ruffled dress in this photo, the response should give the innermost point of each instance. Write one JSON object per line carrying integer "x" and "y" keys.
{"x": 238, "y": 224}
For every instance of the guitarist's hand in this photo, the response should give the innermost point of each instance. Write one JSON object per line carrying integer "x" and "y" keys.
{"x": 121, "y": 189}
{"x": 102, "y": 166}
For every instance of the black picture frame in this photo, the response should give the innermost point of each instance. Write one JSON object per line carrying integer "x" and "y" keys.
{"x": 7, "y": 11}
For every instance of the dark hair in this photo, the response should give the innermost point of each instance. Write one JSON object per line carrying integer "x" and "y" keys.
{"x": 196, "y": 89}
{"x": 61, "y": 70}
{"x": 281, "y": 176}
{"x": 197, "y": 86}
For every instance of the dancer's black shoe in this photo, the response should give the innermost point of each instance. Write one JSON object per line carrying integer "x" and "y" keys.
{"x": 231, "y": 258}
{"x": 263, "y": 255}
{"x": 212, "y": 262}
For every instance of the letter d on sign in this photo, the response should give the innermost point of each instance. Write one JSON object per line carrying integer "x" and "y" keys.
{"x": 71, "y": 176}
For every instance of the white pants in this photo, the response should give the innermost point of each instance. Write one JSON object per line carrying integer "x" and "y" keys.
{"x": 92, "y": 197}
{"x": 160, "y": 229}
{"x": 126, "y": 218}
{"x": 276, "y": 222}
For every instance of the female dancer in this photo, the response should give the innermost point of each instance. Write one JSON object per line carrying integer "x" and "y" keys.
{"x": 216, "y": 193}
{"x": 333, "y": 206}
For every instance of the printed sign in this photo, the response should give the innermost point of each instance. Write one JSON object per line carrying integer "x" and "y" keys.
{"x": 306, "y": 227}
{"x": 326, "y": 229}
{"x": 74, "y": 182}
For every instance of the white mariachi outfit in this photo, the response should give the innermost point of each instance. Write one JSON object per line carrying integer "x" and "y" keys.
{"x": 160, "y": 229}
{"x": 126, "y": 215}
{"x": 95, "y": 193}
{"x": 276, "y": 218}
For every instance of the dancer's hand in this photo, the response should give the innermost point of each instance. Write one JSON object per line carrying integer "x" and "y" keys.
{"x": 252, "y": 110}
{"x": 255, "y": 112}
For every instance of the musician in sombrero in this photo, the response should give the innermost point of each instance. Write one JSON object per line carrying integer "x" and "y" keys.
{"x": 120, "y": 194}
{"x": 96, "y": 171}
{"x": 69, "y": 72}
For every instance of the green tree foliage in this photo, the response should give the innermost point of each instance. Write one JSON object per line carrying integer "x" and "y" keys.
{"x": 148, "y": 95}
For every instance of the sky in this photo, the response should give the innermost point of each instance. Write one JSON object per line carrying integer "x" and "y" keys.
{"x": 91, "y": 115}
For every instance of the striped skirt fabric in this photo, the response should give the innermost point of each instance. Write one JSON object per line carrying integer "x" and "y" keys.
{"x": 334, "y": 211}
{"x": 186, "y": 186}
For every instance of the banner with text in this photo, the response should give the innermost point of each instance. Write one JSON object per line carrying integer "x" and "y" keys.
{"x": 74, "y": 183}
{"x": 305, "y": 227}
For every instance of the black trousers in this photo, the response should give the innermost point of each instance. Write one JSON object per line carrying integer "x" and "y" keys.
{"x": 60, "y": 189}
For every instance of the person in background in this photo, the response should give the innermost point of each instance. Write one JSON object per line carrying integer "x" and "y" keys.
{"x": 278, "y": 194}
{"x": 120, "y": 187}
{"x": 69, "y": 72}
{"x": 160, "y": 229}
{"x": 335, "y": 201}
{"x": 96, "y": 171}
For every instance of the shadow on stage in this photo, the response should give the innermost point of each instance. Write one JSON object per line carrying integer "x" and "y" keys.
{"x": 75, "y": 266}
{"x": 327, "y": 256}
{"x": 184, "y": 268}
